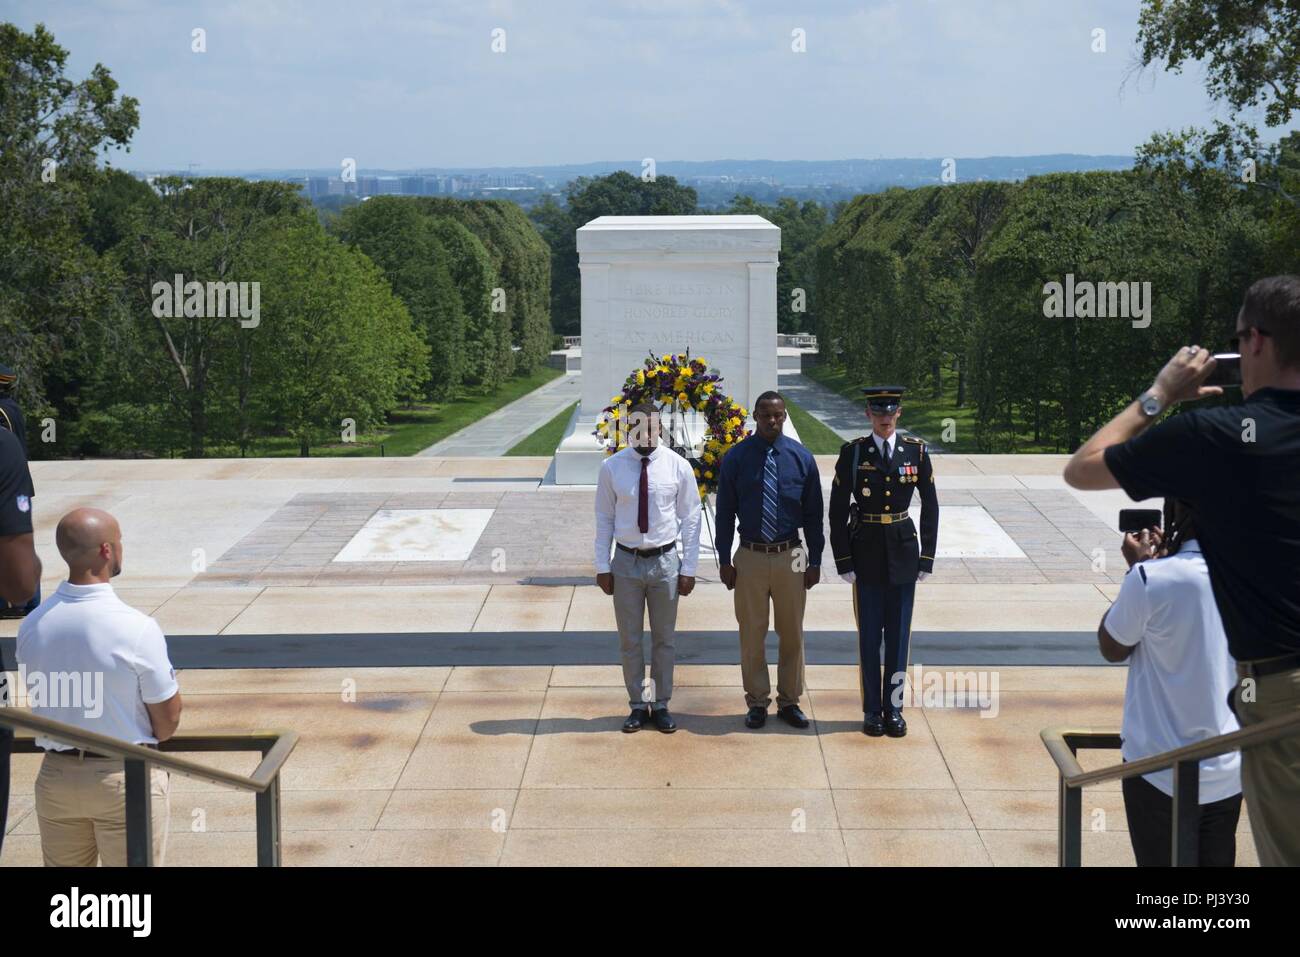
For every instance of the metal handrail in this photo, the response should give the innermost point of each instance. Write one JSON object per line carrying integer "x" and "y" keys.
{"x": 275, "y": 747}
{"x": 1063, "y": 745}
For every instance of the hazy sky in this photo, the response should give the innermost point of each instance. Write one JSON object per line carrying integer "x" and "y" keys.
{"x": 404, "y": 84}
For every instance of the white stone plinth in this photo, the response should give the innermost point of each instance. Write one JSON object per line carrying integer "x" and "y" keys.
{"x": 661, "y": 284}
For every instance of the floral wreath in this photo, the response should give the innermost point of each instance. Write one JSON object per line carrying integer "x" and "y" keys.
{"x": 679, "y": 383}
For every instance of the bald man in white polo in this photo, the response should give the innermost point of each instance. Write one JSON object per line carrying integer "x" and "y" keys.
{"x": 126, "y": 689}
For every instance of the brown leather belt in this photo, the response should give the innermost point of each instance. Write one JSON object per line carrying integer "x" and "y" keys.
{"x": 82, "y": 753}
{"x": 648, "y": 552}
{"x": 1267, "y": 666}
{"x": 770, "y": 548}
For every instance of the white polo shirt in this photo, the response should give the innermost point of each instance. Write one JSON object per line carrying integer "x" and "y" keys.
{"x": 1180, "y": 672}
{"x": 89, "y": 659}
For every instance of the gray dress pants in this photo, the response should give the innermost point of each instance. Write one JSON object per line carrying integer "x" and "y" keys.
{"x": 641, "y": 584}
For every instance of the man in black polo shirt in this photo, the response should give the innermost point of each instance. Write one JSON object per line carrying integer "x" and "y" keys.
{"x": 1239, "y": 466}
{"x": 11, "y": 418}
{"x": 20, "y": 571}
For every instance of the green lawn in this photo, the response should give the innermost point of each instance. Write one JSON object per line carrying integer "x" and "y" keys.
{"x": 410, "y": 430}
{"x": 545, "y": 439}
{"x": 819, "y": 438}
{"x": 923, "y": 414}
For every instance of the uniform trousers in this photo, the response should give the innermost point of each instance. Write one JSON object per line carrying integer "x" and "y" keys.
{"x": 883, "y": 613}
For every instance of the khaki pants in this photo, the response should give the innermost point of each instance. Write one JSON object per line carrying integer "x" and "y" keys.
{"x": 81, "y": 810}
{"x": 759, "y": 578}
{"x": 1270, "y": 773}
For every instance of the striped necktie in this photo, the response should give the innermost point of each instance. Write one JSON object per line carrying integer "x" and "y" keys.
{"x": 771, "y": 497}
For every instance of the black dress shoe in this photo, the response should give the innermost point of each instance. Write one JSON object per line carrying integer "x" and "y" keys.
{"x": 791, "y": 715}
{"x": 895, "y": 726}
{"x": 636, "y": 719}
{"x": 756, "y": 718}
{"x": 873, "y": 726}
{"x": 663, "y": 720}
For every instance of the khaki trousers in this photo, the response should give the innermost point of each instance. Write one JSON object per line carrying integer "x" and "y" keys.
{"x": 761, "y": 578}
{"x": 1270, "y": 773}
{"x": 81, "y": 810}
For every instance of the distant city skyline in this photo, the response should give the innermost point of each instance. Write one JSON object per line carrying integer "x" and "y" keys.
{"x": 408, "y": 85}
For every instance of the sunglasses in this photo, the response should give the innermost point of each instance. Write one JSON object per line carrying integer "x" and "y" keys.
{"x": 1234, "y": 341}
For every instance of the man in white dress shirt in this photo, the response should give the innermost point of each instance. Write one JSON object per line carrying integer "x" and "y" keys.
{"x": 646, "y": 498}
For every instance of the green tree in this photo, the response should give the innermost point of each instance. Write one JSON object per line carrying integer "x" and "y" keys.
{"x": 205, "y": 230}
{"x": 335, "y": 342}
{"x": 1250, "y": 53}
{"x": 802, "y": 226}
{"x": 52, "y": 129}
{"x": 618, "y": 194}
{"x": 397, "y": 235}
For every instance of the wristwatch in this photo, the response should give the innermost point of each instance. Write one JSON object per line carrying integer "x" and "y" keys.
{"x": 1150, "y": 404}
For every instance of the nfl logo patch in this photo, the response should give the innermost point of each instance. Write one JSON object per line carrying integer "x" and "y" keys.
{"x": 24, "y": 504}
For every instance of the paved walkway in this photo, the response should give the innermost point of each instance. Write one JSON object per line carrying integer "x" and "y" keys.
{"x": 509, "y": 425}
{"x": 527, "y": 766}
{"x": 485, "y": 727}
{"x": 829, "y": 407}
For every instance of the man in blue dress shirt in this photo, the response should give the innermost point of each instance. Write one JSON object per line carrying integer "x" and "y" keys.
{"x": 769, "y": 482}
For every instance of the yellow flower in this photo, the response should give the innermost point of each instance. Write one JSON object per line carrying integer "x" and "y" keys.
{"x": 708, "y": 457}
{"x": 652, "y": 372}
{"x": 681, "y": 397}
{"x": 702, "y": 406}
{"x": 614, "y": 414}
{"x": 708, "y": 388}
{"x": 703, "y": 491}
{"x": 697, "y": 472}
{"x": 708, "y": 475}
{"x": 734, "y": 423}
{"x": 667, "y": 358}
{"x": 640, "y": 377}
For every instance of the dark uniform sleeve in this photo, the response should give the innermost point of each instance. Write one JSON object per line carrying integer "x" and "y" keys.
{"x": 841, "y": 497}
{"x": 15, "y": 483}
{"x": 929, "y": 511}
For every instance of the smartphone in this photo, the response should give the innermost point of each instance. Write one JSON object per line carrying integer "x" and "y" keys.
{"x": 1227, "y": 369}
{"x": 1136, "y": 519}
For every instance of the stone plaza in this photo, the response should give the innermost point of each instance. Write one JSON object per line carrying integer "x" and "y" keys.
{"x": 484, "y": 728}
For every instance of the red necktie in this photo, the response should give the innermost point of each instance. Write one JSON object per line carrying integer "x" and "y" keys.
{"x": 643, "y": 497}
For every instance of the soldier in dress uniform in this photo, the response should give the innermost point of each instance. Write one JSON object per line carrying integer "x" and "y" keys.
{"x": 877, "y": 549}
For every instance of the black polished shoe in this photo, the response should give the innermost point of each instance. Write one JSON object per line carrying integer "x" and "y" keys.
{"x": 756, "y": 718}
{"x": 638, "y": 717}
{"x": 663, "y": 720}
{"x": 792, "y": 716}
{"x": 895, "y": 726}
{"x": 873, "y": 726}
